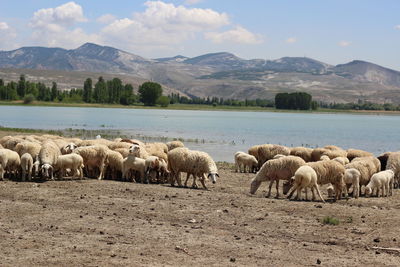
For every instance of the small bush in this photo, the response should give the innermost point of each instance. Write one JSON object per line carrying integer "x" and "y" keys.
{"x": 29, "y": 98}
{"x": 330, "y": 220}
{"x": 163, "y": 101}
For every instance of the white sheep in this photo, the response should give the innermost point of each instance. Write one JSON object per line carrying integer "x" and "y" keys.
{"x": 26, "y": 166}
{"x": 174, "y": 144}
{"x": 275, "y": 170}
{"x": 10, "y": 162}
{"x": 342, "y": 160}
{"x": 72, "y": 161}
{"x": 302, "y": 152}
{"x": 352, "y": 178}
{"x": 367, "y": 166}
{"x": 268, "y": 151}
{"x": 330, "y": 172}
{"x": 48, "y": 156}
{"x": 324, "y": 158}
{"x": 114, "y": 164}
{"x": 245, "y": 160}
{"x": 32, "y": 148}
{"x": 68, "y": 148}
{"x": 193, "y": 162}
{"x": 380, "y": 182}
{"x": 305, "y": 177}
{"x": 94, "y": 158}
{"x": 133, "y": 163}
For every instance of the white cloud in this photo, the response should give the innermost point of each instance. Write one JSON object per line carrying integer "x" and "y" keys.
{"x": 57, "y": 26}
{"x": 237, "y": 35}
{"x": 7, "y": 36}
{"x": 65, "y": 15}
{"x": 291, "y": 40}
{"x": 344, "y": 43}
{"x": 162, "y": 25}
{"x": 106, "y": 18}
{"x": 192, "y": 2}
{"x": 397, "y": 27}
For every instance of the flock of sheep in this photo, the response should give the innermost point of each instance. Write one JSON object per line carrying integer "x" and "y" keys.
{"x": 303, "y": 168}
{"x": 50, "y": 156}
{"x": 47, "y": 156}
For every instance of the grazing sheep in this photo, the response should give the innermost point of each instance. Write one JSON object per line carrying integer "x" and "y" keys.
{"x": 331, "y": 190}
{"x": 114, "y": 164}
{"x": 94, "y": 158}
{"x": 254, "y": 151}
{"x": 317, "y": 153}
{"x": 381, "y": 182}
{"x": 192, "y": 162}
{"x": 367, "y": 166}
{"x": 26, "y": 166}
{"x": 352, "y": 178}
{"x": 72, "y": 161}
{"x": 330, "y": 172}
{"x": 305, "y": 177}
{"x": 356, "y": 153}
{"x": 275, "y": 170}
{"x": 48, "y": 156}
{"x": 393, "y": 163}
{"x": 163, "y": 172}
{"x": 134, "y": 163}
{"x": 342, "y": 160}
{"x": 268, "y": 151}
{"x": 28, "y": 147}
{"x": 10, "y": 162}
{"x": 174, "y": 144}
{"x": 245, "y": 160}
{"x": 302, "y": 152}
{"x": 152, "y": 163}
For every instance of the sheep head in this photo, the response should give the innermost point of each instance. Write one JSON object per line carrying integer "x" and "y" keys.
{"x": 213, "y": 177}
{"x": 47, "y": 170}
{"x": 255, "y": 184}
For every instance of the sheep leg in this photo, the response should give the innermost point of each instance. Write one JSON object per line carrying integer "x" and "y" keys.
{"x": 202, "y": 180}
{"x": 23, "y": 175}
{"x": 318, "y": 192}
{"x": 270, "y": 187}
{"x": 187, "y": 178}
{"x": 277, "y": 189}
{"x": 292, "y": 190}
{"x": 194, "y": 185}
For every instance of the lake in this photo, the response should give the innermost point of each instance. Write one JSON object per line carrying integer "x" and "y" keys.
{"x": 220, "y": 133}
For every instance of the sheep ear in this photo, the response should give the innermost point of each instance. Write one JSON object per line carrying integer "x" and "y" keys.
{"x": 217, "y": 175}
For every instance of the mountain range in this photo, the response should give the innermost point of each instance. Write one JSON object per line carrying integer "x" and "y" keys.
{"x": 215, "y": 74}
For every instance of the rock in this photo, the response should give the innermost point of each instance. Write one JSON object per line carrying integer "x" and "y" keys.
{"x": 318, "y": 261}
{"x": 232, "y": 259}
{"x": 377, "y": 252}
{"x": 318, "y": 206}
{"x": 192, "y": 221}
{"x": 377, "y": 240}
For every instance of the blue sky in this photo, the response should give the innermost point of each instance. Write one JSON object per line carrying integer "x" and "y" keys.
{"x": 332, "y": 31}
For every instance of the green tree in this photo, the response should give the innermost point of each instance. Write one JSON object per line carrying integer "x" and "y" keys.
{"x": 87, "y": 90}
{"x": 163, "y": 101}
{"x": 100, "y": 91}
{"x": 21, "y": 88}
{"x": 54, "y": 91}
{"x": 149, "y": 92}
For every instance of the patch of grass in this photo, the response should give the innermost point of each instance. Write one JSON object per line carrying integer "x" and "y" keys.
{"x": 349, "y": 219}
{"x": 330, "y": 220}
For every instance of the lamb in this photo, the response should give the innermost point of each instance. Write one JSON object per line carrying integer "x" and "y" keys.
{"x": 305, "y": 177}
{"x": 356, "y": 153}
{"x": 393, "y": 163}
{"x": 329, "y": 172}
{"x": 192, "y": 162}
{"x": 381, "y": 182}
{"x": 26, "y": 166}
{"x": 10, "y": 162}
{"x": 352, "y": 178}
{"x": 268, "y": 151}
{"x": 174, "y": 144}
{"x": 94, "y": 157}
{"x": 152, "y": 163}
{"x": 72, "y": 161}
{"x": 245, "y": 160}
{"x": 48, "y": 156}
{"x": 114, "y": 164}
{"x": 133, "y": 162}
{"x": 367, "y": 166}
{"x": 302, "y": 152}
{"x": 275, "y": 170}
{"x": 28, "y": 147}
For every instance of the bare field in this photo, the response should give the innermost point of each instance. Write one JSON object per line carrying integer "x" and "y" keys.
{"x": 97, "y": 223}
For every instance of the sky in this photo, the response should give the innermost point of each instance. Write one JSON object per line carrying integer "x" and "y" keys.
{"x": 332, "y": 31}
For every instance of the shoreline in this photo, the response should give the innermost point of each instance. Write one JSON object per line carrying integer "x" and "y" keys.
{"x": 196, "y": 107}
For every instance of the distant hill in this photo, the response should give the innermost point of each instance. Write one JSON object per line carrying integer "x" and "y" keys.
{"x": 220, "y": 74}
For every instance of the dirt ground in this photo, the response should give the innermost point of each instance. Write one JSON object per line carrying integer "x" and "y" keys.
{"x": 98, "y": 223}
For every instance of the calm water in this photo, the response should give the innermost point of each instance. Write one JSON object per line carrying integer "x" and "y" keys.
{"x": 225, "y": 132}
